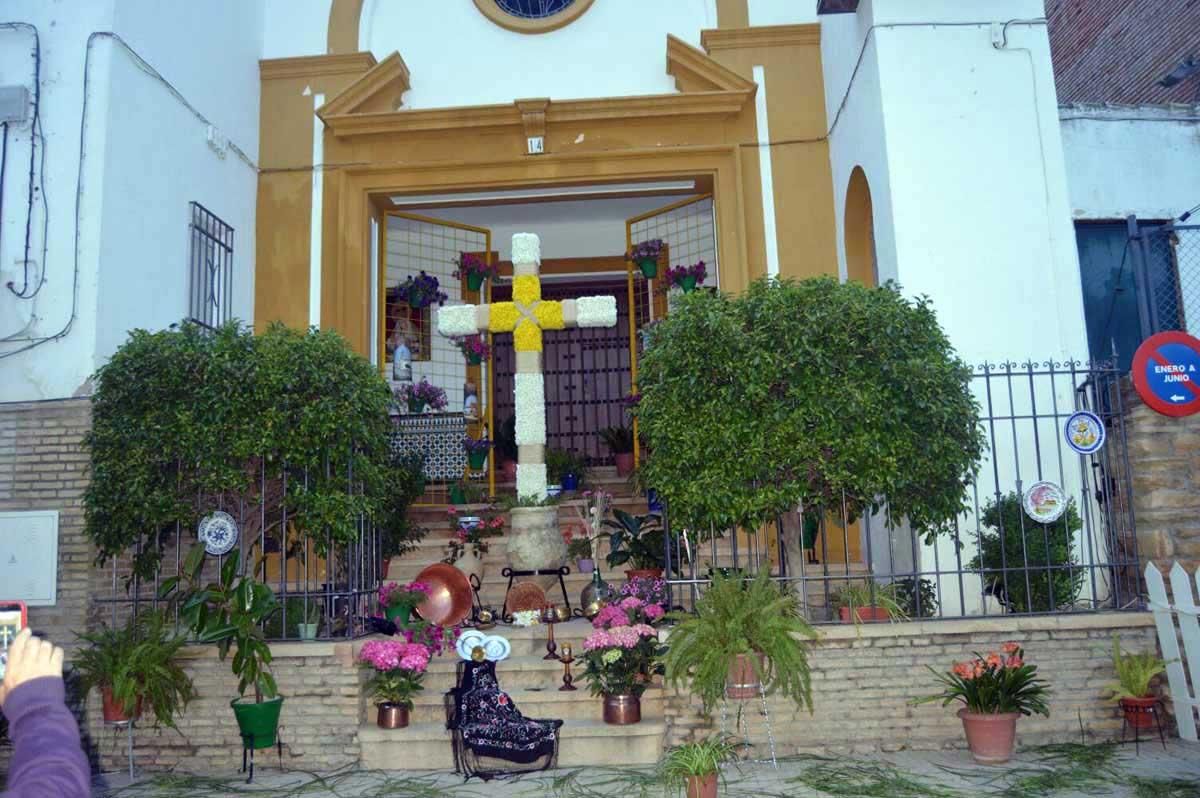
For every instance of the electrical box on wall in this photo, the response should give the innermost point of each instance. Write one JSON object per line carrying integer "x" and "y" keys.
{"x": 14, "y": 104}
{"x": 29, "y": 556}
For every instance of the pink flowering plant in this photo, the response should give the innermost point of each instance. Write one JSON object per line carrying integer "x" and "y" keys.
{"x": 399, "y": 668}
{"x": 473, "y": 534}
{"x": 676, "y": 274}
{"x": 437, "y": 639}
{"x": 651, "y": 592}
{"x": 423, "y": 391}
{"x": 621, "y": 654}
{"x": 473, "y": 347}
{"x": 997, "y": 683}
{"x": 394, "y": 594}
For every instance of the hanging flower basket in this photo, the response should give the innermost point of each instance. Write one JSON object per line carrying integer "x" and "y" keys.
{"x": 473, "y": 271}
{"x": 416, "y": 405}
{"x": 474, "y": 348}
{"x": 646, "y": 255}
{"x": 422, "y": 291}
{"x": 687, "y": 277}
{"x": 477, "y": 451}
{"x": 416, "y": 396}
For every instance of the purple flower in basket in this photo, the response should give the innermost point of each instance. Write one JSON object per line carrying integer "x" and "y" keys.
{"x": 422, "y": 291}
{"x": 473, "y": 446}
{"x": 647, "y": 250}
{"x": 469, "y": 264}
{"x": 676, "y": 274}
{"x": 423, "y": 391}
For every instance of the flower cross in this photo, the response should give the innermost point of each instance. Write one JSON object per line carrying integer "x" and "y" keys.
{"x": 525, "y": 317}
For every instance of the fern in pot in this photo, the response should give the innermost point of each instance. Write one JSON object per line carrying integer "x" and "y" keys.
{"x": 136, "y": 667}
{"x": 1135, "y": 672}
{"x": 745, "y": 636}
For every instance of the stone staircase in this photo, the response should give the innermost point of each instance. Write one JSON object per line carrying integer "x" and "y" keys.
{"x": 532, "y": 682}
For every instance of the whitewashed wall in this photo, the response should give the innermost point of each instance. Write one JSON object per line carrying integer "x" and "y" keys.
{"x": 781, "y": 12}
{"x": 1134, "y": 160}
{"x": 459, "y": 57}
{"x": 144, "y": 157}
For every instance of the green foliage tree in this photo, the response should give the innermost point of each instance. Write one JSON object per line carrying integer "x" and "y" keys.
{"x": 1020, "y": 559}
{"x": 806, "y": 392}
{"x": 186, "y": 417}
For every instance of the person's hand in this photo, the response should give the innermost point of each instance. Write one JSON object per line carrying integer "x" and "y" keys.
{"x": 30, "y": 658}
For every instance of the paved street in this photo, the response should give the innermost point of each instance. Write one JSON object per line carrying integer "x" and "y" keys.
{"x": 1055, "y": 771}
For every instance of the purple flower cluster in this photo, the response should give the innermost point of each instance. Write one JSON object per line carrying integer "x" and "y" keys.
{"x": 390, "y": 655}
{"x": 422, "y": 291}
{"x": 647, "y": 250}
{"x": 650, "y": 591}
{"x": 424, "y": 391}
{"x": 473, "y": 264}
{"x": 675, "y": 274}
{"x": 471, "y": 445}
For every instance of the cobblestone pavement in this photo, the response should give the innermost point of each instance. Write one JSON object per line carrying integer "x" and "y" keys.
{"x": 1066, "y": 771}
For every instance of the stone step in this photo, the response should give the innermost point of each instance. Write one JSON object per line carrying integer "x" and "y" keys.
{"x": 536, "y": 702}
{"x": 427, "y": 746}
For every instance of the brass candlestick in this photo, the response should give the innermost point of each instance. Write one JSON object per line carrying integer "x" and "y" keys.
{"x": 566, "y": 659}
{"x": 550, "y": 617}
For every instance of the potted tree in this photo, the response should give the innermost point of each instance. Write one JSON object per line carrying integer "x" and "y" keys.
{"x": 230, "y": 612}
{"x": 398, "y": 668}
{"x": 645, "y": 254}
{"x": 621, "y": 657}
{"x": 746, "y": 635}
{"x": 620, "y": 443}
{"x": 857, "y": 603}
{"x": 135, "y": 667}
{"x": 1132, "y": 691}
{"x": 696, "y": 767}
{"x": 995, "y": 692}
{"x": 638, "y": 540}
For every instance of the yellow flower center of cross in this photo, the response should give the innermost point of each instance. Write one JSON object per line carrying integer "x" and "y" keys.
{"x": 527, "y": 315}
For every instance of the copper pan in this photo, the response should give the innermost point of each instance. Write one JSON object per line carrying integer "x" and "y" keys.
{"x": 449, "y": 602}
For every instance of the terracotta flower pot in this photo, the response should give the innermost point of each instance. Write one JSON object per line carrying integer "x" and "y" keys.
{"x": 643, "y": 573}
{"x": 624, "y": 462}
{"x": 1138, "y": 711}
{"x": 702, "y": 786}
{"x": 865, "y": 614}
{"x": 391, "y": 716}
{"x": 622, "y": 710}
{"x": 113, "y": 711}
{"x": 741, "y": 682}
{"x": 990, "y": 737}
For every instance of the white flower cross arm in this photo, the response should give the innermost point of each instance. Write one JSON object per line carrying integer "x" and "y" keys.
{"x": 531, "y": 480}
{"x": 596, "y": 311}
{"x": 457, "y": 320}
{"x": 530, "y": 392}
{"x": 526, "y": 249}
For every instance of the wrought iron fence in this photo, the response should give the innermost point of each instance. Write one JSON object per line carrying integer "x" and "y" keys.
{"x": 998, "y": 560}
{"x": 1166, "y": 261}
{"x": 315, "y": 578}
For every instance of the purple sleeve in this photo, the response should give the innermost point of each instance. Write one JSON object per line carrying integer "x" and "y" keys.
{"x": 48, "y": 760}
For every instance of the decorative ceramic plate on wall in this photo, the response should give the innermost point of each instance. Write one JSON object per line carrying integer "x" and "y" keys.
{"x": 218, "y": 532}
{"x": 1045, "y": 502}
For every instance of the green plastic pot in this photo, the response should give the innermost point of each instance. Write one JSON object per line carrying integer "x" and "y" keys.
{"x": 398, "y": 614}
{"x": 474, "y": 359}
{"x": 649, "y": 267}
{"x": 688, "y": 284}
{"x": 474, "y": 282}
{"x": 477, "y": 459}
{"x": 416, "y": 405}
{"x": 457, "y": 496}
{"x": 258, "y": 723}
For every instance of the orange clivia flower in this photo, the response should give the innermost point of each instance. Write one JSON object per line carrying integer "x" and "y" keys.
{"x": 1011, "y": 647}
{"x": 1015, "y": 662}
{"x": 995, "y": 661}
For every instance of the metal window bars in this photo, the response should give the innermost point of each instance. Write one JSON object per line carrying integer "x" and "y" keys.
{"x": 1166, "y": 268}
{"x": 997, "y": 560}
{"x": 210, "y": 300}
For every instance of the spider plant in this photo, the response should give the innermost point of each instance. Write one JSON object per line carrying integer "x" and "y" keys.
{"x": 696, "y": 760}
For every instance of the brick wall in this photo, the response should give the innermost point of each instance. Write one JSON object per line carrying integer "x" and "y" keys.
{"x": 319, "y": 721}
{"x": 1164, "y": 456}
{"x": 1117, "y": 50}
{"x": 43, "y": 467}
{"x": 862, "y": 685}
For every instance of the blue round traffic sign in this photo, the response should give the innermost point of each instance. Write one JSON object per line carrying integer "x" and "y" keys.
{"x": 1166, "y": 373}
